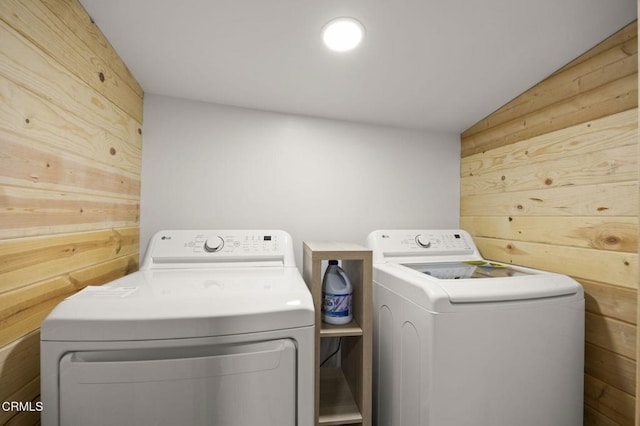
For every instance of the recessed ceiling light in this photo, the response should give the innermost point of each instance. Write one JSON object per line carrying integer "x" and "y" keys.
{"x": 342, "y": 34}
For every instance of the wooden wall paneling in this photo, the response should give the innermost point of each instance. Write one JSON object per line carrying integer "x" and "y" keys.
{"x": 619, "y": 95}
{"x": 629, "y": 32}
{"x": 28, "y": 117}
{"x": 550, "y": 181}
{"x": 613, "y": 60}
{"x": 605, "y": 67}
{"x": 615, "y": 268}
{"x": 40, "y": 166}
{"x": 70, "y": 156}
{"x": 32, "y": 211}
{"x": 637, "y": 375}
{"x": 615, "y": 165}
{"x": 22, "y": 61}
{"x": 616, "y": 233}
{"x": 610, "y": 301}
{"x": 27, "y": 260}
{"x": 28, "y": 320}
{"x": 616, "y": 130}
{"x": 617, "y": 199}
{"x": 616, "y": 336}
{"x": 38, "y": 24}
{"x": 25, "y": 308}
{"x": 506, "y": 112}
{"x": 19, "y": 367}
{"x": 610, "y": 367}
{"x": 21, "y": 299}
{"x": 105, "y": 272}
{"x": 23, "y": 418}
{"x": 594, "y": 418}
{"x": 610, "y": 402}
{"x": 73, "y": 15}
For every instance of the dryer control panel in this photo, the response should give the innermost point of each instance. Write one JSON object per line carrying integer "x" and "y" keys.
{"x": 218, "y": 247}
{"x": 432, "y": 245}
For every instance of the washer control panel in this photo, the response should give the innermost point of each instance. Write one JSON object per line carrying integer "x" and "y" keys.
{"x": 421, "y": 243}
{"x": 440, "y": 242}
{"x": 214, "y": 246}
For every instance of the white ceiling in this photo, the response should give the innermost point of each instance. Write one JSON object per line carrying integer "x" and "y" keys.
{"x": 428, "y": 64}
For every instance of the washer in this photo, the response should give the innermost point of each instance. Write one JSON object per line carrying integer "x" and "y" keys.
{"x": 217, "y": 328}
{"x": 466, "y": 342}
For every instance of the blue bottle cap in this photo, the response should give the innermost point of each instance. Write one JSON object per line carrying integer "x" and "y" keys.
{"x": 333, "y": 262}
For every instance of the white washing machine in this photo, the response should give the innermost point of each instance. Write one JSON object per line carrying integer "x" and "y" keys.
{"x": 217, "y": 328}
{"x": 459, "y": 341}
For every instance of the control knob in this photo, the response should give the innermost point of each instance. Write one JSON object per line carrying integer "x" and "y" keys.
{"x": 213, "y": 244}
{"x": 423, "y": 241}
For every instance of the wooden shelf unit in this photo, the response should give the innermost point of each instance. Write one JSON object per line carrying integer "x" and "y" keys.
{"x": 343, "y": 394}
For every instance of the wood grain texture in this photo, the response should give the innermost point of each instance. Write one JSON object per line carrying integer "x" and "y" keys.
{"x": 594, "y": 136}
{"x": 610, "y": 367}
{"x": 619, "y": 95}
{"x": 606, "y": 199}
{"x": 19, "y": 364}
{"x": 550, "y": 181}
{"x": 607, "y": 333}
{"x": 72, "y": 14}
{"x": 25, "y": 308}
{"x": 614, "y": 404}
{"x": 21, "y": 61}
{"x": 28, "y": 117}
{"x": 27, "y": 260}
{"x": 604, "y": 67}
{"x": 610, "y": 166}
{"x": 616, "y": 233}
{"x": 38, "y": 166}
{"x": 30, "y": 392}
{"x": 629, "y": 32}
{"x": 38, "y": 24}
{"x": 70, "y": 157}
{"x": 610, "y": 301}
{"x": 615, "y": 268}
{"x": 598, "y": 84}
{"x": 594, "y": 418}
{"x": 25, "y": 211}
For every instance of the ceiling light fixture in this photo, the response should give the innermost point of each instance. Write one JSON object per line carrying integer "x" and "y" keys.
{"x": 342, "y": 34}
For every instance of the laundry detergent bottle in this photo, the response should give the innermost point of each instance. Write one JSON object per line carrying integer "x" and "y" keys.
{"x": 336, "y": 295}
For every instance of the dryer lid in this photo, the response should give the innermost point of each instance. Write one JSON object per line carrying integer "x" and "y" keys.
{"x": 170, "y": 304}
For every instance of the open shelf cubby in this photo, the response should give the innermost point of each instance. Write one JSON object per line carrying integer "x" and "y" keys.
{"x": 343, "y": 394}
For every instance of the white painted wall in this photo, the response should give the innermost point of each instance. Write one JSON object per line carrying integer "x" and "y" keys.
{"x": 213, "y": 166}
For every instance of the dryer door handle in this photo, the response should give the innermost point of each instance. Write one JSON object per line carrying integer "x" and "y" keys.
{"x": 122, "y": 366}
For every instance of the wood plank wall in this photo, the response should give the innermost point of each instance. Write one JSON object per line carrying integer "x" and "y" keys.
{"x": 70, "y": 157}
{"x": 550, "y": 181}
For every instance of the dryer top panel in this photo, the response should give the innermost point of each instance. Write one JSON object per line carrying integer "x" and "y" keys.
{"x": 191, "y": 249}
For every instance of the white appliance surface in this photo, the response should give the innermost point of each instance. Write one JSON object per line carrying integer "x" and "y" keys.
{"x": 216, "y": 328}
{"x": 459, "y": 340}
{"x": 180, "y": 303}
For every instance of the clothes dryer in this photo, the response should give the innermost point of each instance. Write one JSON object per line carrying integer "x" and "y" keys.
{"x": 462, "y": 341}
{"x": 217, "y": 328}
